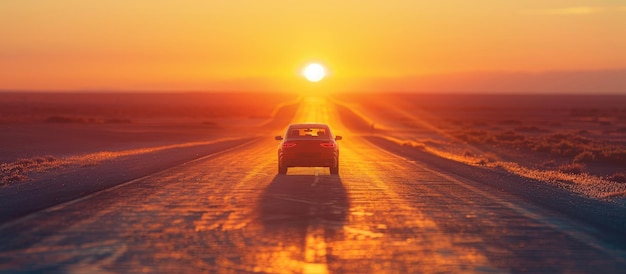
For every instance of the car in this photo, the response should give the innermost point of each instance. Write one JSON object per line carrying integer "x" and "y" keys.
{"x": 308, "y": 145}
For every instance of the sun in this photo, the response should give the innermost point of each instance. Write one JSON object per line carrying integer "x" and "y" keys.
{"x": 314, "y": 72}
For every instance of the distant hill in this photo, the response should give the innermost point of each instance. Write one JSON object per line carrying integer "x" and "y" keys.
{"x": 559, "y": 82}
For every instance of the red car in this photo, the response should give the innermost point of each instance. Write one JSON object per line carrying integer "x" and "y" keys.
{"x": 308, "y": 145}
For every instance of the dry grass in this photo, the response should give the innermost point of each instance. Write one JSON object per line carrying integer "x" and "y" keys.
{"x": 618, "y": 177}
{"x": 572, "y": 168}
{"x": 16, "y": 171}
{"x": 576, "y": 148}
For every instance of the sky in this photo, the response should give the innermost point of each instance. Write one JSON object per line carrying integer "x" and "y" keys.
{"x": 262, "y": 45}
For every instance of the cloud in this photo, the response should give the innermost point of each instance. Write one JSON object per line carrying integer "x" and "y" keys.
{"x": 582, "y": 10}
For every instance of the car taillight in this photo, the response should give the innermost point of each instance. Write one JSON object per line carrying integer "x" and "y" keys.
{"x": 327, "y": 145}
{"x": 289, "y": 145}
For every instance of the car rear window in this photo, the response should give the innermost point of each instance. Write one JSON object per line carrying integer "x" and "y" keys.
{"x": 306, "y": 133}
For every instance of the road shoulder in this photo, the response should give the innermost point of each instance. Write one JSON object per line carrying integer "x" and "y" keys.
{"x": 608, "y": 218}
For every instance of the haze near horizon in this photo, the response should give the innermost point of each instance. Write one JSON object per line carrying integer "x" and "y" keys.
{"x": 410, "y": 46}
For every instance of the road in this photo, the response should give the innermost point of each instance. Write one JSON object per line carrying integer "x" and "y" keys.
{"x": 231, "y": 212}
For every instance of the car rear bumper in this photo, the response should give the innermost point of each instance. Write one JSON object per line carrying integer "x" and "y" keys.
{"x": 308, "y": 160}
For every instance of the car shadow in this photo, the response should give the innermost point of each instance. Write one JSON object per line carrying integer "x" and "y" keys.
{"x": 292, "y": 206}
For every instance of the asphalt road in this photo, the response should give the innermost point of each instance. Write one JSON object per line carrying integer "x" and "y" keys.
{"x": 231, "y": 212}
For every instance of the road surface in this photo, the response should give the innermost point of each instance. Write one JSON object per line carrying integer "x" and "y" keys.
{"x": 231, "y": 212}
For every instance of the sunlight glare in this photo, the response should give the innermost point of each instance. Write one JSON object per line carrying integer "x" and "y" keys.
{"x": 314, "y": 72}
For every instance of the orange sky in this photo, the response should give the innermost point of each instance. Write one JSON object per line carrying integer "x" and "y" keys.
{"x": 260, "y": 45}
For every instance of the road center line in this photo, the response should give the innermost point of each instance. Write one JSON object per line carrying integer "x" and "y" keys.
{"x": 317, "y": 177}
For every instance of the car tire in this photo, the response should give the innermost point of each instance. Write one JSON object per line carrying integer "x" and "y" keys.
{"x": 334, "y": 170}
{"x": 282, "y": 170}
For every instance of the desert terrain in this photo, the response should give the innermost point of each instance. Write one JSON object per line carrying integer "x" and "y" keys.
{"x": 40, "y": 129}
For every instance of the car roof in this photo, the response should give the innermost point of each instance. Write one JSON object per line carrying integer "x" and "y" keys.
{"x": 305, "y": 125}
